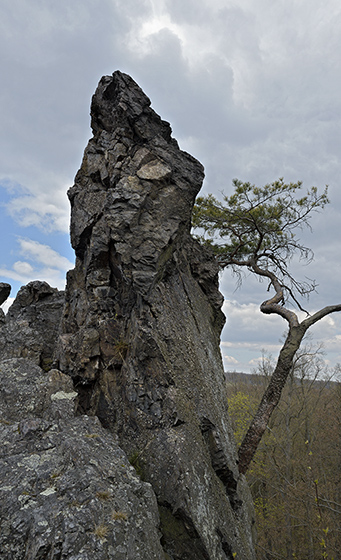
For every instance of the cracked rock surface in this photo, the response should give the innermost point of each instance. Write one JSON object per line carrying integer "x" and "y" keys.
{"x": 67, "y": 490}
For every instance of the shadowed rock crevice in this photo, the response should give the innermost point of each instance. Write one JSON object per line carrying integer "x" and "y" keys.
{"x": 220, "y": 463}
{"x": 180, "y": 539}
{"x": 226, "y": 547}
{"x": 5, "y": 290}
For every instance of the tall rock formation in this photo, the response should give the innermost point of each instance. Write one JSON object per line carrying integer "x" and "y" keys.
{"x": 142, "y": 321}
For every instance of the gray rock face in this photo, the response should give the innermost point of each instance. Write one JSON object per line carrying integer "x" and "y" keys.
{"x": 5, "y": 290}
{"x": 142, "y": 321}
{"x": 30, "y": 328}
{"x": 67, "y": 491}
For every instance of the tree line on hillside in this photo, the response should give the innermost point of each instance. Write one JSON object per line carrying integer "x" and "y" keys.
{"x": 295, "y": 477}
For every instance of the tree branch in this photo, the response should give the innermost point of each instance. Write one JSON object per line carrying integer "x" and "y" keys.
{"x": 309, "y": 321}
{"x": 284, "y": 364}
{"x": 272, "y": 305}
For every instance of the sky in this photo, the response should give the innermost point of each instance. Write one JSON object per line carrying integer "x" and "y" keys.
{"x": 251, "y": 89}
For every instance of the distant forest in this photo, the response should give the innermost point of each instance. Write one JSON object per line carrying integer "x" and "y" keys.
{"x": 295, "y": 478}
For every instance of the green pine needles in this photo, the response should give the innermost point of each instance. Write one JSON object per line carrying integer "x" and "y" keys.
{"x": 257, "y": 227}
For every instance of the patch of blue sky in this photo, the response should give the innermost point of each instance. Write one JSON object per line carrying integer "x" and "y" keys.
{"x": 29, "y": 252}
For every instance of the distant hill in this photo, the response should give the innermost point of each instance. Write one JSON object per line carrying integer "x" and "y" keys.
{"x": 247, "y": 378}
{"x": 234, "y": 377}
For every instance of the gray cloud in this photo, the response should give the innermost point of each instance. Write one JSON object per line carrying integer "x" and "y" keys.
{"x": 251, "y": 89}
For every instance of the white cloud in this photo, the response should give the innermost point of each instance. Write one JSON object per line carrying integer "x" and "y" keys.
{"x": 12, "y": 274}
{"x": 252, "y": 83}
{"x": 44, "y": 254}
{"x": 246, "y": 320}
{"x": 256, "y": 347}
{"x": 248, "y": 334}
{"x": 23, "y": 268}
{"x": 142, "y": 35}
{"x": 230, "y": 360}
{"x": 52, "y": 276}
{"x": 46, "y": 264}
{"x": 45, "y": 208}
{"x": 256, "y": 362}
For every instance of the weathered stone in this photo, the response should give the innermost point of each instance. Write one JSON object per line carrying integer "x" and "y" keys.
{"x": 142, "y": 321}
{"x": 5, "y": 290}
{"x": 66, "y": 488}
{"x": 25, "y": 390}
{"x": 31, "y": 325}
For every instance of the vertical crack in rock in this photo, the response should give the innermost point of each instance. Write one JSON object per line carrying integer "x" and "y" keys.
{"x": 142, "y": 321}
{"x": 220, "y": 462}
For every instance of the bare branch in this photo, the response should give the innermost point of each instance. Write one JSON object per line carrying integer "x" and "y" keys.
{"x": 320, "y": 314}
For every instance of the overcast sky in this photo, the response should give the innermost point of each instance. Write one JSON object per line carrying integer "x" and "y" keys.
{"x": 252, "y": 89}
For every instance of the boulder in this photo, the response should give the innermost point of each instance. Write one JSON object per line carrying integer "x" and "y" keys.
{"x": 67, "y": 490}
{"x": 31, "y": 326}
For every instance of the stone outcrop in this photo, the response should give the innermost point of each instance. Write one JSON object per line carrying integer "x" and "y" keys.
{"x": 122, "y": 369}
{"x": 5, "y": 290}
{"x": 30, "y": 328}
{"x": 66, "y": 488}
{"x": 141, "y": 326}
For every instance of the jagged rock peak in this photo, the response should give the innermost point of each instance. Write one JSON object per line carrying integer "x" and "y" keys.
{"x": 131, "y": 157}
{"x": 117, "y": 99}
{"x": 141, "y": 326}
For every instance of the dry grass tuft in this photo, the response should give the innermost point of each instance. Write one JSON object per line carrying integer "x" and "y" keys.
{"x": 101, "y": 531}
{"x": 103, "y": 495}
{"x": 119, "y": 515}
